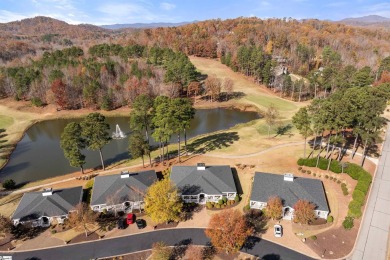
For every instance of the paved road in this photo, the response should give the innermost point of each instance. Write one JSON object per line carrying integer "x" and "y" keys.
{"x": 138, "y": 242}
{"x": 374, "y": 234}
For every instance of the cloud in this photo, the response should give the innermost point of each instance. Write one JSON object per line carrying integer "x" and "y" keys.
{"x": 335, "y": 4}
{"x": 167, "y": 6}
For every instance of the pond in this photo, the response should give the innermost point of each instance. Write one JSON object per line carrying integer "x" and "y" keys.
{"x": 39, "y": 155}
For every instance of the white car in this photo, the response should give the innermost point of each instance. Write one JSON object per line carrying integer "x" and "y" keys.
{"x": 278, "y": 231}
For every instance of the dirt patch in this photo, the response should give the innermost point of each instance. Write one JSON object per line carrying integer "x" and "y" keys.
{"x": 5, "y": 242}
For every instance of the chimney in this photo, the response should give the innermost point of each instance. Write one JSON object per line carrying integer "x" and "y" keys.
{"x": 201, "y": 167}
{"x": 288, "y": 177}
{"x": 47, "y": 192}
{"x": 125, "y": 174}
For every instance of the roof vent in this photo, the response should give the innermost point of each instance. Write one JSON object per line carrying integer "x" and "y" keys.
{"x": 201, "y": 167}
{"x": 125, "y": 174}
{"x": 47, "y": 192}
{"x": 288, "y": 177}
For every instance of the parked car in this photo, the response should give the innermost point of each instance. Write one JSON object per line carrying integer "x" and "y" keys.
{"x": 278, "y": 231}
{"x": 130, "y": 218}
{"x": 140, "y": 223}
{"x": 121, "y": 223}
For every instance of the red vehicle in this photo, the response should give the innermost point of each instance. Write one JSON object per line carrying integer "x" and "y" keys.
{"x": 130, "y": 219}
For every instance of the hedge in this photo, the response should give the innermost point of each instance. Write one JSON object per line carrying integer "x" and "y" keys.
{"x": 322, "y": 164}
{"x": 359, "y": 196}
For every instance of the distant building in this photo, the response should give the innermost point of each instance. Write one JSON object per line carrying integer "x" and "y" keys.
{"x": 201, "y": 183}
{"x": 121, "y": 192}
{"x": 289, "y": 189}
{"x": 43, "y": 207}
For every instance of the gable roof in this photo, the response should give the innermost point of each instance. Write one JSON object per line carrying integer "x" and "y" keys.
{"x": 266, "y": 185}
{"x": 113, "y": 189}
{"x": 34, "y": 205}
{"x": 214, "y": 180}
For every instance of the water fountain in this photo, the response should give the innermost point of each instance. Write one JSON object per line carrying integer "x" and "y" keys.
{"x": 118, "y": 134}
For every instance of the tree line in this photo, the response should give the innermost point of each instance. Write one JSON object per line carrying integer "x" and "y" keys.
{"x": 352, "y": 114}
{"x": 107, "y": 77}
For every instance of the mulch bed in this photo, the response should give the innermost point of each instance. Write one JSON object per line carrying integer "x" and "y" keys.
{"x": 334, "y": 243}
{"x": 5, "y": 242}
{"x": 83, "y": 238}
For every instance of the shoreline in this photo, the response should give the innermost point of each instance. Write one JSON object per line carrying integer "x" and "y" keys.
{"x": 113, "y": 113}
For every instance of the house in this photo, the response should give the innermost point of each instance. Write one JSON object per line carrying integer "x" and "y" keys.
{"x": 201, "y": 183}
{"x": 121, "y": 192}
{"x": 43, "y": 207}
{"x": 289, "y": 189}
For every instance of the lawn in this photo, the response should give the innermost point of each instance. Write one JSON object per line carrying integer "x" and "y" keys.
{"x": 5, "y": 121}
{"x": 265, "y": 101}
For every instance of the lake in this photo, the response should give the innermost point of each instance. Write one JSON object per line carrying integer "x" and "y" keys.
{"x": 39, "y": 155}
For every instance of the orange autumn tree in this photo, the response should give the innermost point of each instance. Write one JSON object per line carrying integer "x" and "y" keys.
{"x": 304, "y": 212}
{"x": 274, "y": 208}
{"x": 228, "y": 230}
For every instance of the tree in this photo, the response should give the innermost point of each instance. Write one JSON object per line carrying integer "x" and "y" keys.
{"x": 160, "y": 251}
{"x": 141, "y": 114}
{"x": 213, "y": 87}
{"x": 304, "y": 212}
{"x": 5, "y": 225}
{"x": 94, "y": 131}
{"x": 59, "y": 90}
{"x": 228, "y": 86}
{"x": 228, "y": 230}
{"x": 81, "y": 217}
{"x": 301, "y": 121}
{"x": 194, "y": 253}
{"x": 72, "y": 143}
{"x": 271, "y": 116}
{"x": 182, "y": 113}
{"x": 138, "y": 147}
{"x": 162, "y": 202}
{"x": 274, "y": 208}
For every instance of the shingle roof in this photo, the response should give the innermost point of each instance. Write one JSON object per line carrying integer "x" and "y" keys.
{"x": 214, "y": 180}
{"x": 34, "y": 205}
{"x": 113, "y": 189}
{"x": 266, "y": 185}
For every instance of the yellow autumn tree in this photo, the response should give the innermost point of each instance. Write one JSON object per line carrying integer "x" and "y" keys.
{"x": 162, "y": 202}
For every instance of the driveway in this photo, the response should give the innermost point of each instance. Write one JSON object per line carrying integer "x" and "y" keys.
{"x": 144, "y": 241}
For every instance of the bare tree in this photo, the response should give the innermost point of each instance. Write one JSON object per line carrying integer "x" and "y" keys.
{"x": 81, "y": 217}
{"x": 213, "y": 87}
{"x": 228, "y": 86}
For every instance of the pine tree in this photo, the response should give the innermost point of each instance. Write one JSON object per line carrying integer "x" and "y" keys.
{"x": 72, "y": 143}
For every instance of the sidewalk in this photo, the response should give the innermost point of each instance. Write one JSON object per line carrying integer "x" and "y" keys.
{"x": 373, "y": 237}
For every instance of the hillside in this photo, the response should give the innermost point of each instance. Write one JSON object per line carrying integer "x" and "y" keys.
{"x": 282, "y": 37}
{"x": 369, "y": 20}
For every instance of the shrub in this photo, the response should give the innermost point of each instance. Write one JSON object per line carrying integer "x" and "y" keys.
{"x": 358, "y": 196}
{"x": 308, "y": 172}
{"x": 300, "y": 162}
{"x": 223, "y": 206}
{"x": 354, "y": 209}
{"x": 313, "y": 237}
{"x": 220, "y": 202}
{"x": 348, "y": 222}
{"x": 237, "y": 198}
{"x": 299, "y": 168}
{"x": 303, "y": 171}
{"x": 354, "y": 171}
{"x": 53, "y": 231}
{"x": 330, "y": 178}
{"x": 329, "y": 219}
{"x": 89, "y": 184}
{"x": 326, "y": 177}
{"x": 209, "y": 205}
{"x": 334, "y": 179}
{"x": 224, "y": 200}
{"x": 338, "y": 182}
{"x": 314, "y": 174}
{"x": 217, "y": 206}
{"x": 36, "y": 102}
{"x": 247, "y": 207}
{"x": 363, "y": 186}
{"x": 9, "y": 184}
{"x": 344, "y": 188}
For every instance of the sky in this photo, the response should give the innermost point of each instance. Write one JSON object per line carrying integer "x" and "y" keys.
{"x": 101, "y": 12}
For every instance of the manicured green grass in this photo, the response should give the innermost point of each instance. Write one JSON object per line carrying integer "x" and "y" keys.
{"x": 266, "y": 101}
{"x": 5, "y": 121}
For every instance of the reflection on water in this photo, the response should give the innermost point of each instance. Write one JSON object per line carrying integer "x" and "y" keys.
{"x": 39, "y": 155}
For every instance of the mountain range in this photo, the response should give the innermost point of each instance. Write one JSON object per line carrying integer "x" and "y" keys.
{"x": 369, "y": 20}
